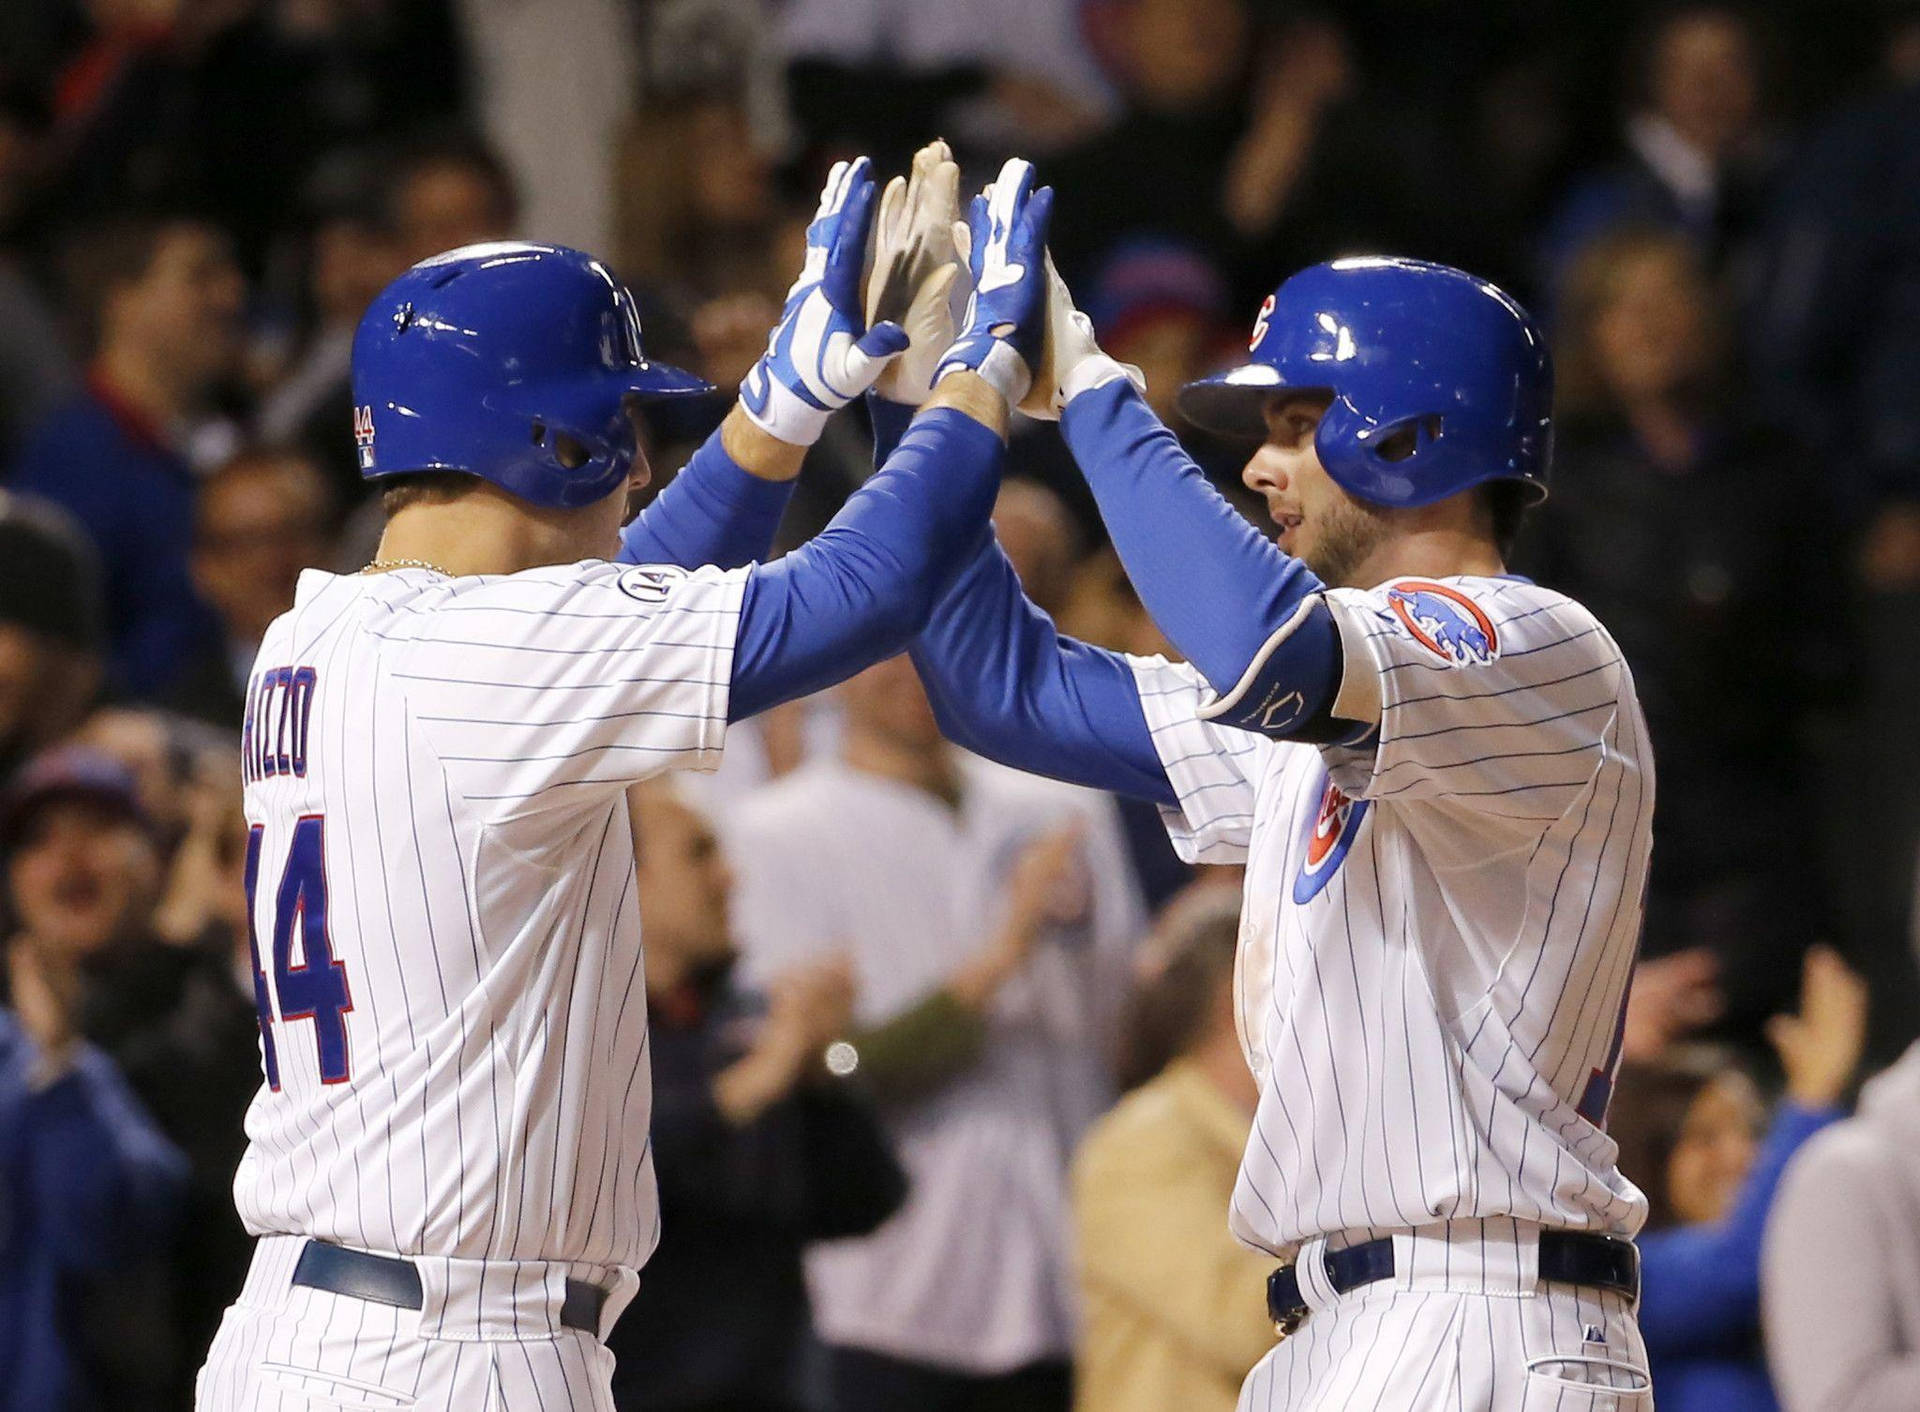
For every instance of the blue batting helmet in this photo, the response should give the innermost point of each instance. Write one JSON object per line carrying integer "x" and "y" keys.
{"x": 1401, "y": 345}
{"x": 480, "y": 359}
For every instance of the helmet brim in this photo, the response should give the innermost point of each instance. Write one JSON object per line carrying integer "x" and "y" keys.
{"x": 1233, "y": 403}
{"x": 651, "y": 380}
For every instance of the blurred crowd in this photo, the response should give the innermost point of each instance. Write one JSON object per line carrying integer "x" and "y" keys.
{"x": 1006, "y": 1186}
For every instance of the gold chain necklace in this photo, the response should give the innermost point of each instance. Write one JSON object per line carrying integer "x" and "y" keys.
{"x": 381, "y": 566}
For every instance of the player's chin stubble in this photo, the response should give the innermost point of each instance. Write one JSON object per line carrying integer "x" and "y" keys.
{"x": 1345, "y": 537}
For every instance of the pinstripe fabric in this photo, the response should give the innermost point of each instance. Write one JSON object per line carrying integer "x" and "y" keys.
{"x": 1559, "y": 1350}
{"x": 467, "y": 747}
{"x": 1438, "y": 930}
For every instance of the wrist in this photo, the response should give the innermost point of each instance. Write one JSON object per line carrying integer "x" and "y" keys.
{"x": 779, "y": 412}
{"x": 757, "y": 450}
{"x": 994, "y": 361}
{"x": 1095, "y": 370}
{"x": 974, "y": 397}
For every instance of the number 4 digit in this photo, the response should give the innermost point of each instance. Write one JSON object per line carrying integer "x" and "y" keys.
{"x": 316, "y": 989}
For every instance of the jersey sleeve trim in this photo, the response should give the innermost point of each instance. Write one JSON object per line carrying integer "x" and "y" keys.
{"x": 1224, "y": 706}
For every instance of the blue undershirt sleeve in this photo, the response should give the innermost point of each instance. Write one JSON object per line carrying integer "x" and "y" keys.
{"x": 1244, "y": 613}
{"x": 1005, "y": 684}
{"x": 890, "y": 422}
{"x": 858, "y": 591}
{"x": 713, "y": 512}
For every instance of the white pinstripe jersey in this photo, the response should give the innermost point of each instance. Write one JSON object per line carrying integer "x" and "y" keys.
{"x": 1439, "y": 927}
{"x": 440, "y": 874}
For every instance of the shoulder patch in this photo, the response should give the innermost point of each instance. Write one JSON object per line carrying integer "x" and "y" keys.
{"x": 650, "y": 583}
{"x": 1445, "y": 621}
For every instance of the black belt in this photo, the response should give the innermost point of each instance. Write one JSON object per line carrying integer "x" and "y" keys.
{"x": 1566, "y": 1257}
{"x": 385, "y": 1279}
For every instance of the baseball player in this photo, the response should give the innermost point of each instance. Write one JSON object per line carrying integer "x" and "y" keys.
{"x": 1438, "y": 779}
{"x": 448, "y": 1167}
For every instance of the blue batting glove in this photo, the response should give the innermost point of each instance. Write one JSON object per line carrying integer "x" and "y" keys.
{"x": 821, "y": 355}
{"x": 1004, "y": 331}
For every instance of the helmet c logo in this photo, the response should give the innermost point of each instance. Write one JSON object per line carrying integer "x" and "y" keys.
{"x": 1260, "y": 323}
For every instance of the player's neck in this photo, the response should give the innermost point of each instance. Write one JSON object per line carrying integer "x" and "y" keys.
{"x": 1429, "y": 552}
{"x": 923, "y": 768}
{"x": 479, "y": 533}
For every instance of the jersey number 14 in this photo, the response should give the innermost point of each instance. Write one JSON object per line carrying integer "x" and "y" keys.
{"x": 316, "y": 989}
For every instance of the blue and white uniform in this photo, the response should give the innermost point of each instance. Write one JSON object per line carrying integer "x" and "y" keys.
{"x": 448, "y": 954}
{"x": 1441, "y": 911}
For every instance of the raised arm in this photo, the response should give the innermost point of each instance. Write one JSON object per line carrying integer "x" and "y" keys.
{"x": 1248, "y": 616}
{"x": 1005, "y": 684}
{"x": 1002, "y": 680}
{"x": 858, "y": 591}
{"x": 724, "y": 507}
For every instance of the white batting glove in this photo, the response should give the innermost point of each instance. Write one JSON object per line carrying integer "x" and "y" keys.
{"x": 822, "y": 355}
{"x": 1071, "y": 362}
{"x": 916, "y": 269}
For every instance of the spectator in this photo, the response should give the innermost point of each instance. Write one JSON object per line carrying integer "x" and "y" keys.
{"x": 447, "y": 193}
{"x": 166, "y": 754}
{"x": 1694, "y": 159}
{"x": 1687, "y": 1128}
{"x": 1173, "y": 1309}
{"x": 1835, "y": 352}
{"x": 52, "y": 627}
{"x": 756, "y": 1148}
{"x": 1040, "y": 538}
{"x": 258, "y": 521}
{"x": 988, "y": 916}
{"x": 92, "y": 1187}
{"x": 699, "y": 211}
{"x": 1670, "y": 520}
{"x": 36, "y": 367}
{"x": 1840, "y": 1279}
{"x": 1162, "y": 307}
{"x": 350, "y": 257}
{"x": 1243, "y": 141}
{"x": 287, "y": 86}
{"x": 167, "y": 303}
{"x": 994, "y": 74}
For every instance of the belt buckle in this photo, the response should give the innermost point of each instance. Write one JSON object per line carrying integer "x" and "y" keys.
{"x": 1290, "y": 1325}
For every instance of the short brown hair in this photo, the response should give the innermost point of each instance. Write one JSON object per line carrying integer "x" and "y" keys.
{"x": 424, "y": 488}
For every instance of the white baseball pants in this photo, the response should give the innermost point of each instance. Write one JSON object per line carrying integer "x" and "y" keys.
{"x": 487, "y": 1339}
{"x": 1465, "y": 1323}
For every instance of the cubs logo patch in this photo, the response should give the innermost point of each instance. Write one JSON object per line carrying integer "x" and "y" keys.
{"x": 1335, "y": 825}
{"x": 1445, "y": 621}
{"x": 363, "y": 435}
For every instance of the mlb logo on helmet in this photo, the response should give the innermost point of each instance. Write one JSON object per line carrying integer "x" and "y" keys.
{"x": 1444, "y": 621}
{"x": 363, "y": 435}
